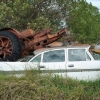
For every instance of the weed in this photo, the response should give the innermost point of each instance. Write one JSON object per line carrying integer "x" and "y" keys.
{"x": 35, "y": 86}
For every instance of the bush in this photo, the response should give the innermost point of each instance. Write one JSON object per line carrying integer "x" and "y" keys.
{"x": 35, "y": 86}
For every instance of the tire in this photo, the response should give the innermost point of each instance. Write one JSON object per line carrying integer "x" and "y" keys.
{"x": 11, "y": 41}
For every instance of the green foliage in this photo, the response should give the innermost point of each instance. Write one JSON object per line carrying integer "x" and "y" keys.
{"x": 84, "y": 21}
{"x": 81, "y": 18}
{"x": 22, "y": 14}
{"x": 6, "y": 16}
{"x": 39, "y": 24}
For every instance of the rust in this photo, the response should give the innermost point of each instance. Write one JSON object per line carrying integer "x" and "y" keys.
{"x": 14, "y": 31}
{"x": 43, "y": 38}
{"x": 5, "y": 47}
{"x": 42, "y": 33}
{"x": 27, "y": 33}
{"x": 17, "y": 33}
{"x": 76, "y": 44}
{"x": 31, "y": 40}
{"x": 55, "y": 44}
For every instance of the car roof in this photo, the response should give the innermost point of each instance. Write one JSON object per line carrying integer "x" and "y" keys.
{"x": 62, "y": 47}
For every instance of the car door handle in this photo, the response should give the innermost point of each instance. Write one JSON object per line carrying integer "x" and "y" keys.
{"x": 71, "y": 65}
{"x": 42, "y": 66}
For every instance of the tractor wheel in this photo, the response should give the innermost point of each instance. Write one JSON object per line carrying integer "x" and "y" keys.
{"x": 10, "y": 46}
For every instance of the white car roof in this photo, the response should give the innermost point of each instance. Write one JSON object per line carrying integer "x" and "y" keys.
{"x": 62, "y": 47}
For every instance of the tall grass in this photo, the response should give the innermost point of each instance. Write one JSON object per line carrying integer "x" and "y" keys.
{"x": 34, "y": 86}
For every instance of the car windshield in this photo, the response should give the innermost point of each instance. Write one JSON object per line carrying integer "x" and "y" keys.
{"x": 25, "y": 59}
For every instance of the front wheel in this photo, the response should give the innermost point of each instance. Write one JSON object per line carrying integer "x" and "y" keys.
{"x": 10, "y": 46}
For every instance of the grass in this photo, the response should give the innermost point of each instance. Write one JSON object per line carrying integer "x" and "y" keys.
{"x": 34, "y": 86}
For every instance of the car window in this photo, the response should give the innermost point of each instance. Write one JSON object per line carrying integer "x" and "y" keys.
{"x": 36, "y": 59}
{"x": 25, "y": 59}
{"x": 54, "y": 56}
{"x": 77, "y": 55}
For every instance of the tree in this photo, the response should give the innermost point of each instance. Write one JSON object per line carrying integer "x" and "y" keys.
{"x": 28, "y": 13}
{"x": 22, "y": 14}
{"x": 84, "y": 21}
{"x": 81, "y": 18}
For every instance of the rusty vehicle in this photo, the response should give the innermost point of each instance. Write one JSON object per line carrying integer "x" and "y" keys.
{"x": 14, "y": 44}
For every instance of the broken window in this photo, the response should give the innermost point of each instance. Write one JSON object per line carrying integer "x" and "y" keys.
{"x": 77, "y": 55}
{"x": 54, "y": 56}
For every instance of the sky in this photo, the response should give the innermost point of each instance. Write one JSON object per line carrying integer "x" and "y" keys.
{"x": 95, "y": 3}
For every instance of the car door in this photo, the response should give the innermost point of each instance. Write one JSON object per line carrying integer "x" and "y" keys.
{"x": 14, "y": 67}
{"x": 81, "y": 66}
{"x": 54, "y": 61}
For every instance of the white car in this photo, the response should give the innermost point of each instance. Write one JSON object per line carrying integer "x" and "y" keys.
{"x": 25, "y": 59}
{"x": 75, "y": 62}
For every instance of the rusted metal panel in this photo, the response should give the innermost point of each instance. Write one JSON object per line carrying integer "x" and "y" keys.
{"x": 43, "y": 38}
{"x": 27, "y": 33}
{"x": 55, "y": 44}
{"x": 76, "y": 44}
{"x": 30, "y": 40}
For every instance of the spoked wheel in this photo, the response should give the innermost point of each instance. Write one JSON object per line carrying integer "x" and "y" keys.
{"x": 5, "y": 47}
{"x": 10, "y": 47}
